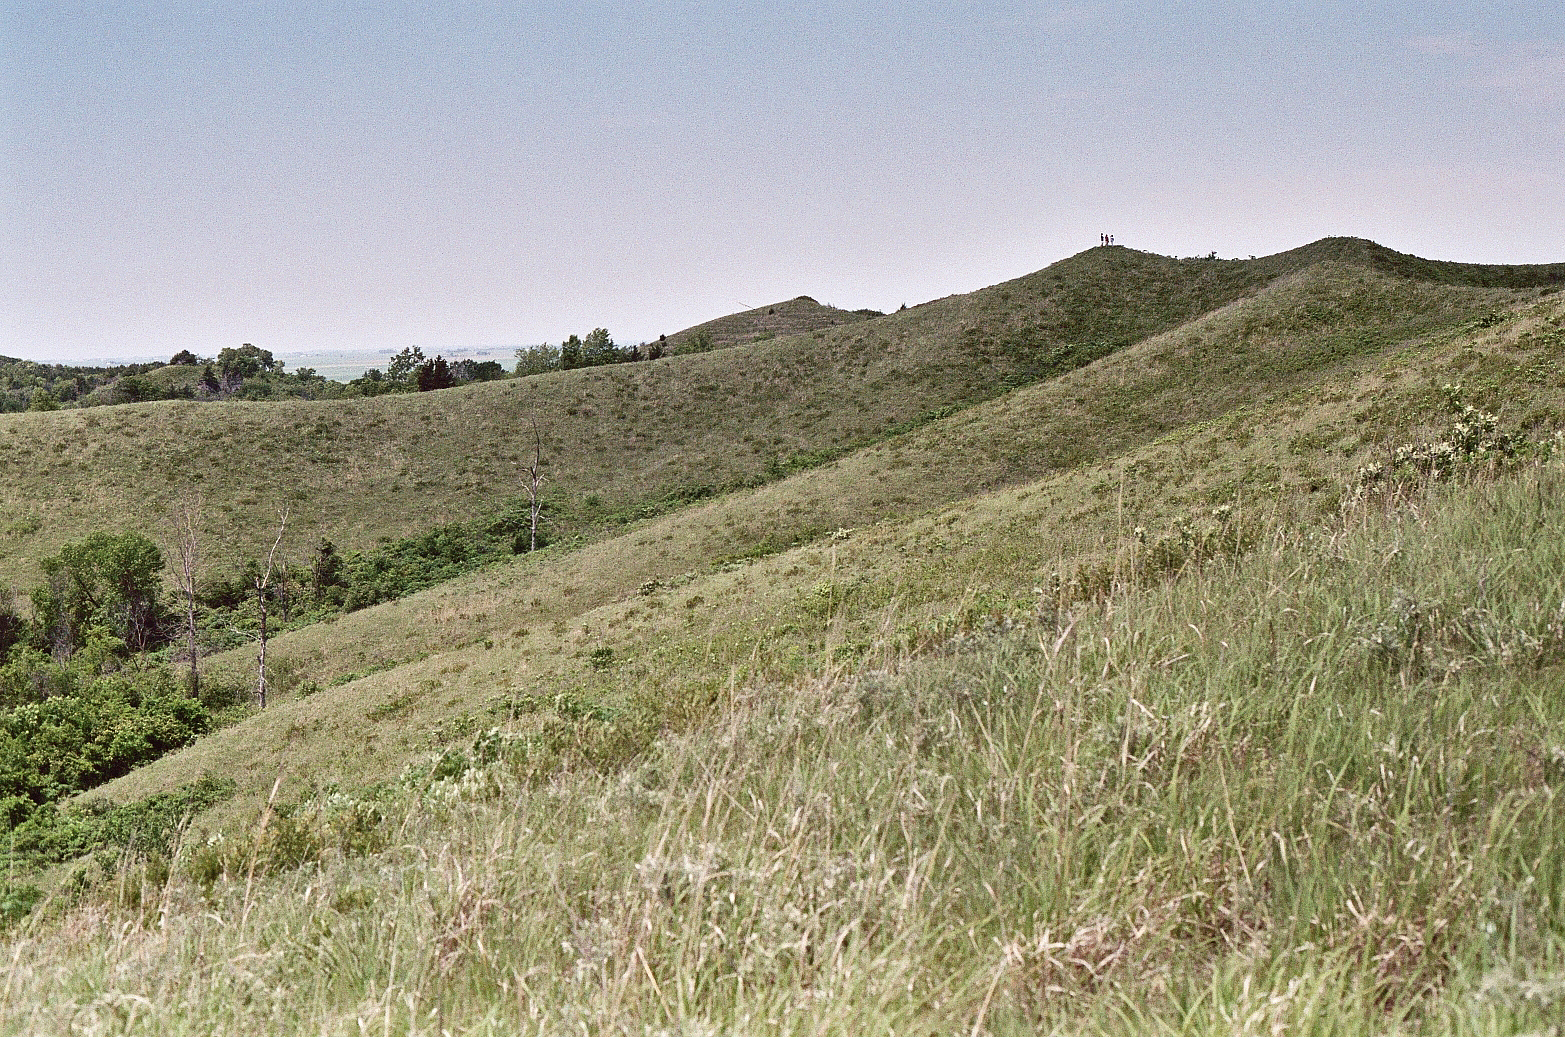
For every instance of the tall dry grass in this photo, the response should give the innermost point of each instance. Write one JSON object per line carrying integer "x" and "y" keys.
{"x": 1312, "y": 789}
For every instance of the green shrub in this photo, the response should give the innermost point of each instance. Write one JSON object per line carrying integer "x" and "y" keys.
{"x": 90, "y": 728}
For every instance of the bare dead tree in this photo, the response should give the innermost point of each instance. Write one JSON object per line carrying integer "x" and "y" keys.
{"x": 187, "y": 546}
{"x": 534, "y": 484}
{"x": 261, "y": 581}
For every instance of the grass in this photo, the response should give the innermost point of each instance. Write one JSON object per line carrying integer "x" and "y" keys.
{"x": 1092, "y": 704}
{"x": 1222, "y": 803}
{"x": 794, "y": 317}
{"x": 681, "y": 624}
{"x": 365, "y": 471}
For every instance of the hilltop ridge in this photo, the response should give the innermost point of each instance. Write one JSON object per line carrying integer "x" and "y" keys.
{"x": 794, "y": 316}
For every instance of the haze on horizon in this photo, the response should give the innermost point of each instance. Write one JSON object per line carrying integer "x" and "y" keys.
{"x": 306, "y": 177}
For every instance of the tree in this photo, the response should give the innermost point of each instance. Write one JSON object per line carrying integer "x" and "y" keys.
{"x": 326, "y": 570}
{"x": 108, "y": 580}
{"x": 133, "y": 389}
{"x": 477, "y": 371}
{"x": 405, "y": 365}
{"x": 534, "y": 476}
{"x": 187, "y": 547}
{"x": 538, "y": 359}
{"x": 245, "y": 362}
{"x": 261, "y": 580}
{"x": 185, "y": 358}
{"x": 43, "y": 400}
{"x": 209, "y": 382}
{"x": 435, "y": 374}
{"x": 570, "y": 354}
{"x": 12, "y": 628}
{"x": 598, "y": 348}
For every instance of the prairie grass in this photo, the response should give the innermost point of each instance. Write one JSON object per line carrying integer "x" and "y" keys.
{"x": 1082, "y": 698}
{"x": 365, "y": 471}
{"x": 1313, "y": 788}
{"x": 681, "y": 622}
{"x": 793, "y": 317}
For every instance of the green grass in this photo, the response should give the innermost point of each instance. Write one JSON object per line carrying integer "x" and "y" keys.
{"x": 1270, "y": 794}
{"x": 682, "y": 623}
{"x": 362, "y": 471}
{"x": 1060, "y": 693}
{"x": 796, "y": 316}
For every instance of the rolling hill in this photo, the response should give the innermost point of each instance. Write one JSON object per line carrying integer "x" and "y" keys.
{"x": 1043, "y": 657}
{"x": 365, "y": 471}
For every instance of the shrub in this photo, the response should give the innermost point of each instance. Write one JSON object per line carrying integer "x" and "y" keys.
{"x": 89, "y": 728}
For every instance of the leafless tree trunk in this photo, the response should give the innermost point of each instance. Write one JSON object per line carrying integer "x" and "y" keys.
{"x": 187, "y": 517}
{"x": 263, "y": 579}
{"x": 534, "y": 483}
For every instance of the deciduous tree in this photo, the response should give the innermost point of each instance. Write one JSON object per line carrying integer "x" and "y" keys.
{"x": 109, "y": 580}
{"x": 185, "y": 523}
{"x": 261, "y": 581}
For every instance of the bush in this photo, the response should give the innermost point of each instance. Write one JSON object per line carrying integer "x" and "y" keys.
{"x": 697, "y": 342}
{"x": 92, "y": 727}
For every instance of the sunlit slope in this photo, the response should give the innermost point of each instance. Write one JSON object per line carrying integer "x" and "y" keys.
{"x": 1243, "y": 407}
{"x": 1314, "y": 789}
{"x": 366, "y": 469}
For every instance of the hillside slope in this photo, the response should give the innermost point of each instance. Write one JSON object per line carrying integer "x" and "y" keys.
{"x": 1186, "y": 670}
{"x": 364, "y": 470}
{"x": 1251, "y": 406}
{"x": 1310, "y": 789}
{"x": 797, "y": 316}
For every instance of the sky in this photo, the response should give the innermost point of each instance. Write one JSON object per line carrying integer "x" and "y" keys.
{"x": 336, "y": 175}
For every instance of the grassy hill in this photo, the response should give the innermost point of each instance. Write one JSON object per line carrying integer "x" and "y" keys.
{"x": 363, "y": 470}
{"x": 1043, "y": 666}
{"x": 794, "y": 317}
{"x": 938, "y": 515}
{"x": 621, "y": 438}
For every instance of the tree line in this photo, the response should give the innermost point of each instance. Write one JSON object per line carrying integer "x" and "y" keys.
{"x": 249, "y": 372}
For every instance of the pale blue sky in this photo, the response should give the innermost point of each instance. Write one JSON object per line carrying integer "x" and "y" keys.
{"x": 352, "y": 175}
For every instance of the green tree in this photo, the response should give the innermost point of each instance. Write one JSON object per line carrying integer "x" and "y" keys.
{"x": 108, "y": 580}
{"x": 133, "y": 389}
{"x": 326, "y": 573}
{"x": 12, "y": 627}
{"x": 698, "y": 342}
{"x": 209, "y": 382}
{"x": 245, "y": 362}
{"x": 570, "y": 354}
{"x": 435, "y": 374}
{"x": 405, "y": 365}
{"x": 598, "y": 348}
{"x": 43, "y": 399}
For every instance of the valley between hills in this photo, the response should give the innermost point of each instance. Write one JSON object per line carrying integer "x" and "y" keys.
{"x": 1143, "y": 644}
